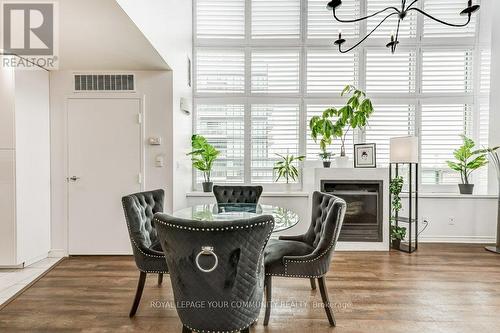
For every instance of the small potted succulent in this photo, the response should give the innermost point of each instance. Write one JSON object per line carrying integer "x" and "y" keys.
{"x": 326, "y": 157}
{"x": 467, "y": 161}
{"x": 285, "y": 167}
{"x": 203, "y": 156}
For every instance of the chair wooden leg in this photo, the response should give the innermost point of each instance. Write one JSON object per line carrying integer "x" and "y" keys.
{"x": 160, "y": 278}
{"x": 185, "y": 329}
{"x": 313, "y": 284}
{"x": 269, "y": 286}
{"x": 138, "y": 294}
{"x": 246, "y": 330}
{"x": 326, "y": 301}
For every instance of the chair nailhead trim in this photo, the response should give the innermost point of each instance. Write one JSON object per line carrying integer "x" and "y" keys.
{"x": 213, "y": 229}
{"x": 219, "y": 331}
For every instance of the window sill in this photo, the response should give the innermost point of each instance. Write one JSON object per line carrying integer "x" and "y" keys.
{"x": 455, "y": 196}
{"x": 265, "y": 194}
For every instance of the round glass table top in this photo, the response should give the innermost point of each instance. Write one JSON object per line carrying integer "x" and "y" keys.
{"x": 283, "y": 218}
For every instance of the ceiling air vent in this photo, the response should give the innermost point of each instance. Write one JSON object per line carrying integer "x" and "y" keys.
{"x": 104, "y": 82}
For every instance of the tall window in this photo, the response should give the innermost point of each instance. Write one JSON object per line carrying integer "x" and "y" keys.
{"x": 263, "y": 68}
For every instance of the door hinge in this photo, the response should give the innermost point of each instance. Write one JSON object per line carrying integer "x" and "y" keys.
{"x": 139, "y": 118}
{"x": 139, "y": 178}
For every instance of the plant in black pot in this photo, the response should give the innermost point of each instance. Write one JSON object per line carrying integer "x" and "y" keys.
{"x": 203, "y": 157}
{"x": 397, "y": 233}
{"x": 467, "y": 161}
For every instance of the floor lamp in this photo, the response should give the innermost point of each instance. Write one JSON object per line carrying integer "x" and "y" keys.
{"x": 495, "y": 158}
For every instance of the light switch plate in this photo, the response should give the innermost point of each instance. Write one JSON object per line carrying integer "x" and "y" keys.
{"x": 155, "y": 141}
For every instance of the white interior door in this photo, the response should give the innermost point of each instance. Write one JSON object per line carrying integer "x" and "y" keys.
{"x": 104, "y": 159}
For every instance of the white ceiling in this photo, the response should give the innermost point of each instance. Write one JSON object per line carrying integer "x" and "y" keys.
{"x": 98, "y": 35}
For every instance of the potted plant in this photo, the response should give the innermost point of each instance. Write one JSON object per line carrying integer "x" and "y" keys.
{"x": 203, "y": 156}
{"x": 326, "y": 158}
{"x": 397, "y": 233}
{"x": 468, "y": 160}
{"x": 353, "y": 115}
{"x": 322, "y": 129}
{"x": 285, "y": 167}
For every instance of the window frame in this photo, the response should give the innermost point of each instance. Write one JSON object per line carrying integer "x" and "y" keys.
{"x": 303, "y": 43}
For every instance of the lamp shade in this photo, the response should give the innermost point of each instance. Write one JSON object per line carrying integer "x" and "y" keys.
{"x": 404, "y": 149}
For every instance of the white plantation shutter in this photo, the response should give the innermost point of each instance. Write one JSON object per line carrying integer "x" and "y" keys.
{"x": 389, "y": 121}
{"x": 448, "y": 11}
{"x": 407, "y": 29}
{"x": 275, "y": 71}
{"x": 328, "y": 71}
{"x": 440, "y": 133}
{"x": 275, "y": 19}
{"x": 223, "y": 126}
{"x": 321, "y": 23}
{"x": 275, "y": 130}
{"x": 313, "y": 149}
{"x": 447, "y": 71}
{"x": 220, "y": 71}
{"x": 390, "y": 73}
{"x": 485, "y": 72}
{"x": 220, "y": 19}
{"x": 263, "y": 68}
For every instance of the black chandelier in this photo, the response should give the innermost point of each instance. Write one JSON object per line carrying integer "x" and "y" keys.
{"x": 401, "y": 13}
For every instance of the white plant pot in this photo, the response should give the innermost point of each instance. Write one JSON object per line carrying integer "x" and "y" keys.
{"x": 343, "y": 162}
{"x": 288, "y": 187}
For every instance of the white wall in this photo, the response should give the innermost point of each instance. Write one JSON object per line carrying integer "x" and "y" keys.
{"x": 32, "y": 164}
{"x": 156, "y": 89}
{"x": 24, "y": 166}
{"x": 168, "y": 26}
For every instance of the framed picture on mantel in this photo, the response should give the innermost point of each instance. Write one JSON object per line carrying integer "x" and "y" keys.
{"x": 365, "y": 155}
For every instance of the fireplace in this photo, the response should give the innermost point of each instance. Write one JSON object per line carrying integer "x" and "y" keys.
{"x": 363, "y": 218}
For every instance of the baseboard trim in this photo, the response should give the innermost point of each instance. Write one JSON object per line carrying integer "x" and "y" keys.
{"x": 458, "y": 239}
{"x": 57, "y": 253}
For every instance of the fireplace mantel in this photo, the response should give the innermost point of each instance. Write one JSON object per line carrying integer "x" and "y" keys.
{"x": 312, "y": 182}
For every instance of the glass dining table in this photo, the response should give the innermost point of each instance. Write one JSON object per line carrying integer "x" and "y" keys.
{"x": 284, "y": 218}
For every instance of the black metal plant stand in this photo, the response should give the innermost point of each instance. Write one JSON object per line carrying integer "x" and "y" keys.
{"x": 411, "y": 221}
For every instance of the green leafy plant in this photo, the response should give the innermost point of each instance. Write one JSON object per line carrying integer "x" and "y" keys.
{"x": 398, "y": 233}
{"x": 203, "y": 155}
{"x": 285, "y": 167}
{"x": 395, "y": 188}
{"x": 468, "y": 159}
{"x": 354, "y": 114}
{"x": 322, "y": 128}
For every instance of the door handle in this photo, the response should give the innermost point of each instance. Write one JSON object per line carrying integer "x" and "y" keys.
{"x": 73, "y": 179}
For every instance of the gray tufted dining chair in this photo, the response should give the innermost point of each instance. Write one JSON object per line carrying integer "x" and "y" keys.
{"x": 139, "y": 211}
{"x": 237, "y": 194}
{"x": 218, "y": 267}
{"x": 308, "y": 255}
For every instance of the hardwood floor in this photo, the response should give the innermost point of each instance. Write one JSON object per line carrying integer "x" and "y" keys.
{"x": 439, "y": 289}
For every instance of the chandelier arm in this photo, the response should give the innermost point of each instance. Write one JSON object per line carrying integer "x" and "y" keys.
{"x": 366, "y": 17}
{"x": 364, "y": 38}
{"x": 441, "y": 21}
{"x": 410, "y": 5}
